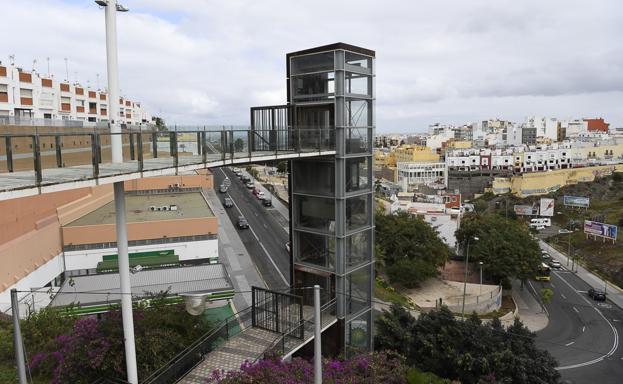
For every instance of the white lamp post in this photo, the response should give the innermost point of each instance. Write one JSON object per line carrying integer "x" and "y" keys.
{"x": 111, "y": 8}
{"x": 465, "y": 279}
{"x": 480, "y": 263}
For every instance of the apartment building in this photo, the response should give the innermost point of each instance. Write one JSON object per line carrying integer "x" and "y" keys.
{"x": 30, "y": 95}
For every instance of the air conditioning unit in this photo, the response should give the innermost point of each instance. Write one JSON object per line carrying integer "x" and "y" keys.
{"x": 172, "y": 207}
{"x": 165, "y": 207}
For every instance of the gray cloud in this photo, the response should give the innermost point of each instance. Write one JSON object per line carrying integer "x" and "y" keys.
{"x": 207, "y": 62}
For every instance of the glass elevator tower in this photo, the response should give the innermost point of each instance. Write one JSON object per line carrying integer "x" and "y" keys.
{"x": 331, "y": 197}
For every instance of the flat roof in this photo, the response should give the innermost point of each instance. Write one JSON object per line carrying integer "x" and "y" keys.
{"x": 189, "y": 205}
{"x": 333, "y": 47}
{"x": 104, "y": 288}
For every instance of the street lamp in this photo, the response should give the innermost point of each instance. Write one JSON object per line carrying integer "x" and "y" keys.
{"x": 111, "y": 8}
{"x": 465, "y": 279}
{"x": 568, "y": 232}
{"x": 480, "y": 263}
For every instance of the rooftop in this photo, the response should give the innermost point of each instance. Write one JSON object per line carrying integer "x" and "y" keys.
{"x": 189, "y": 205}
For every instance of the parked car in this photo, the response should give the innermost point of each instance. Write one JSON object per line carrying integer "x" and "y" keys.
{"x": 267, "y": 202}
{"x": 545, "y": 255}
{"x": 288, "y": 247}
{"x": 250, "y": 185}
{"x": 597, "y": 294}
{"x": 222, "y": 188}
{"x": 228, "y": 203}
{"x": 245, "y": 179}
{"x": 242, "y": 222}
{"x": 555, "y": 264}
{"x": 260, "y": 195}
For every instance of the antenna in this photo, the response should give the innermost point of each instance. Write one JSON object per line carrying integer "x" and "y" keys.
{"x": 34, "y": 62}
{"x": 48, "y": 60}
{"x": 12, "y": 59}
{"x": 66, "y": 70}
{"x": 75, "y": 77}
{"x": 97, "y": 76}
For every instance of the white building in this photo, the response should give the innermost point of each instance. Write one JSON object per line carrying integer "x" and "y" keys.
{"x": 418, "y": 173}
{"x": 30, "y": 95}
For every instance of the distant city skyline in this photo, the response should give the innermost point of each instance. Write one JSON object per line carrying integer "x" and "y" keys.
{"x": 194, "y": 62}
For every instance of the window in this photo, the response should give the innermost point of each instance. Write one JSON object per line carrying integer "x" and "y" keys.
{"x": 357, "y": 212}
{"x": 356, "y": 113}
{"x": 355, "y": 61}
{"x": 317, "y": 178}
{"x": 358, "y": 247}
{"x": 357, "y": 84}
{"x": 314, "y": 213}
{"x": 315, "y": 249}
{"x": 312, "y": 63}
{"x": 314, "y": 86}
{"x": 357, "y": 177}
{"x": 358, "y": 290}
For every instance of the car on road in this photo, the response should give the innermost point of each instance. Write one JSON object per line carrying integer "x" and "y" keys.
{"x": 597, "y": 294}
{"x": 267, "y": 202}
{"x": 222, "y": 188}
{"x": 288, "y": 247}
{"x": 555, "y": 264}
{"x": 228, "y": 202}
{"x": 260, "y": 195}
{"x": 250, "y": 185}
{"x": 242, "y": 222}
{"x": 245, "y": 178}
{"x": 545, "y": 255}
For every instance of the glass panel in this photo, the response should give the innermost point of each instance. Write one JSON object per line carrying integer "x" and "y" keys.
{"x": 357, "y": 177}
{"x": 312, "y": 63}
{"x": 357, "y": 113}
{"x": 358, "y": 140}
{"x": 357, "y": 212}
{"x": 315, "y": 249}
{"x": 317, "y": 178}
{"x": 357, "y": 84}
{"x": 358, "y": 248}
{"x": 358, "y": 290}
{"x": 316, "y": 86}
{"x": 358, "y": 334}
{"x": 314, "y": 212}
{"x": 357, "y": 61}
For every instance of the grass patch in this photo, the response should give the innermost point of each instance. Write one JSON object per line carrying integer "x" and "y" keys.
{"x": 385, "y": 292}
{"x": 415, "y": 376}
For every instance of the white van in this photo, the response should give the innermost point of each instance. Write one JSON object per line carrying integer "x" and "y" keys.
{"x": 541, "y": 222}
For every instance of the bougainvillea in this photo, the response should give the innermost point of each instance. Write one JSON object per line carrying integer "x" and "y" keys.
{"x": 370, "y": 368}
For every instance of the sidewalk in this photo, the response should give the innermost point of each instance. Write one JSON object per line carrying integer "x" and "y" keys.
{"x": 615, "y": 294}
{"x": 529, "y": 310}
{"x": 233, "y": 254}
{"x": 277, "y": 204}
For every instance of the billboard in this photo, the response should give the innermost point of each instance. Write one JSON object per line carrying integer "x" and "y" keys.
{"x": 576, "y": 201}
{"x": 596, "y": 228}
{"x": 525, "y": 210}
{"x": 546, "y": 207}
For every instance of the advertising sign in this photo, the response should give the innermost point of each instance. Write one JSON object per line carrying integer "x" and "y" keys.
{"x": 525, "y": 210}
{"x": 596, "y": 228}
{"x": 576, "y": 201}
{"x": 546, "y": 207}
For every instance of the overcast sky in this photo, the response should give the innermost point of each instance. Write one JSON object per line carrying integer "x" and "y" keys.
{"x": 207, "y": 62}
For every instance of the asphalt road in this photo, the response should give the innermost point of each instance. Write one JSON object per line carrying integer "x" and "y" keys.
{"x": 582, "y": 334}
{"x": 266, "y": 238}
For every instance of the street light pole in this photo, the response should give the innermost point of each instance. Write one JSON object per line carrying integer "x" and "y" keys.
{"x": 111, "y": 7}
{"x": 465, "y": 278}
{"x": 480, "y": 264}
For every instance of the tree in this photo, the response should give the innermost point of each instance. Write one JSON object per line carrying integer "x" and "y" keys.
{"x": 546, "y": 295}
{"x": 160, "y": 124}
{"x": 282, "y": 166}
{"x": 410, "y": 248}
{"x": 468, "y": 351}
{"x": 505, "y": 246}
{"x": 238, "y": 145}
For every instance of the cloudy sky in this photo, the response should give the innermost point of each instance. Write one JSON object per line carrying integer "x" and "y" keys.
{"x": 207, "y": 62}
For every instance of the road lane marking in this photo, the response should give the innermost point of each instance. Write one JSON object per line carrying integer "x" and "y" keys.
{"x": 568, "y": 344}
{"x": 584, "y": 328}
{"x": 563, "y": 296}
{"x": 576, "y": 310}
{"x": 261, "y": 245}
{"x": 552, "y": 284}
{"x": 615, "y": 344}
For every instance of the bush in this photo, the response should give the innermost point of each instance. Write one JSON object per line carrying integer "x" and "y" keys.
{"x": 382, "y": 367}
{"x": 410, "y": 273}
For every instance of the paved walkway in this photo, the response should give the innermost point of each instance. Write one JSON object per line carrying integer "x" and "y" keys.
{"x": 529, "y": 310}
{"x": 233, "y": 254}
{"x": 615, "y": 294}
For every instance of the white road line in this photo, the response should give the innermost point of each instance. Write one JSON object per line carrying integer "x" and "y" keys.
{"x": 260, "y": 243}
{"x": 568, "y": 344}
{"x": 576, "y": 310}
{"x": 615, "y": 344}
{"x": 552, "y": 284}
{"x": 563, "y": 296}
{"x": 583, "y": 329}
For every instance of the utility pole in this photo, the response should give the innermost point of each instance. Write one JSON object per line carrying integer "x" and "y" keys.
{"x": 111, "y": 7}
{"x": 317, "y": 340}
{"x": 18, "y": 343}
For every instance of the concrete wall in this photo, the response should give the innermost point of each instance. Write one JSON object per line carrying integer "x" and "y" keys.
{"x": 186, "y": 181}
{"x": 540, "y": 183}
{"x": 191, "y": 250}
{"x": 104, "y": 233}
